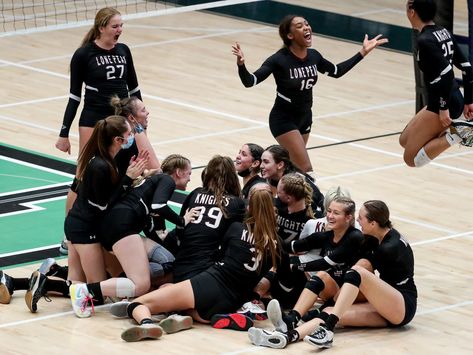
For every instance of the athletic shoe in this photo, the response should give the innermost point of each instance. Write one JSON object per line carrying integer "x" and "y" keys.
{"x": 313, "y": 313}
{"x": 175, "y": 323}
{"x": 6, "y": 288}
{"x": 254, "y": 310}
{"x": 235, "y": 321}
{"x": 321, "y": 337}
{"x": 45, "y": 267}
{"x": 35, "y": 290}
{"x": 63, "y": 247}
{"x": 80, "y": 298}
{"x": 142, "y": 331}
{"x": 464, "y": 129}
{"x": 118, "y": 309}
{"x": 271, "y": 339}
{"x": 275, "y": 316}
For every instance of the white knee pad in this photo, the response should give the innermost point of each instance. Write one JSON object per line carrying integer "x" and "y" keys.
{"x": 421, "y": 158}
{"x": 125, "y": 287}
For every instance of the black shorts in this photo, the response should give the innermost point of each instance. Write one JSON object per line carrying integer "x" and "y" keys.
{"x": 78, "y": 231}
{"x": 456, "y": 105}
{"x": 118, "y": 224}
{"x": 88, "y": 118}
{"x": 283, "y": 119}
{"x": 410, "y": 302}
{"x": 211, "y": 297}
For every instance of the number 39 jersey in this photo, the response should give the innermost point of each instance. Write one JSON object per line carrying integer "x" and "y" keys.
{"x": 199, "y": 241}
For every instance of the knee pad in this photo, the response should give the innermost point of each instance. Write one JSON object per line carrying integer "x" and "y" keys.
{"x": 271, "y": 276}
{"x": 160, "y": 255}
{"x": 352, "y": 277}
{"x": 125, "y": 287}
{"x": 131, "y": 307}
{"x": 315, "y": 284}
{"x": 74, "y": 185}
{"x": 421, "y": 158}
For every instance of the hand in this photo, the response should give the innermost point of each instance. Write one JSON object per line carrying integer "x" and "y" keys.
{"x": 468, "y": 112}
{"x": 370, "y": 44}
{"x": 137, "y": 164}
{"x": 236, "y": 50}
{"x": 63, "y": 145}
{"x": 190, "y": 215}
{"x": 444, "y": 116}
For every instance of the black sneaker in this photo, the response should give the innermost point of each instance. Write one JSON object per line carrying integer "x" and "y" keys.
{"x": 35, "y": 290}
{"x": 321, "y": 337}
{"x": 6, "y": 288}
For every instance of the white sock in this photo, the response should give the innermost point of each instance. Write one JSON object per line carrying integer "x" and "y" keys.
{"x": 421, "y": 158}
{"x": 452, "y": 138}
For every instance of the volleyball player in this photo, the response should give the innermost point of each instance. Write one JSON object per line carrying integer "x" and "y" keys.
{"x": 248, "y": 249}
{"x": 275, "y": 163}
{"x": 100, "y": 187}
{"x": 295, "y": 68}
{"x": 119, "y": 232}
{"x": 105, "y": 67}
{"x": 247, "y": 165}
{"x": 391, "y": 297}
{"x": 427, "y": 135}
{"x": 138, "y": 117}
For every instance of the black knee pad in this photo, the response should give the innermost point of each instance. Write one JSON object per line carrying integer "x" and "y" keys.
{"x": 131, "y": 307}
{"x": 75, "y": 185}
{"x": 271, "y": 276}
{"x": 352, "y": 277}
{"x": 315, "y": 284}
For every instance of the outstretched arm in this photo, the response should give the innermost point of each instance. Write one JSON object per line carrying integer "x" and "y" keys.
{"x": 370, "y": 44}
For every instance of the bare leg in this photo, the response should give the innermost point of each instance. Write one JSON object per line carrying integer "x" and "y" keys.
{"x": 74, "y": 271}
{"x": 131, "y": 253}
{"x": 91, "y": 260}
{"x": 295, "y": 144}
{"x": 176, "y": 297}
{"x": 386, "y": 300}
{"x": 424, "y": 130}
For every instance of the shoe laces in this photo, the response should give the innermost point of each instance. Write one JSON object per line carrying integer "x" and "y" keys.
{"x": 319, "y": 333}
{"x": 85, "y": 302}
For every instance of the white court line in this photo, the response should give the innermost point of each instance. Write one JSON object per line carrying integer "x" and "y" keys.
{"x": 444, "y": 308}
{"x": 440, "y": 239}
{"x": 34, "y": 188}
{"x": 56, "y": 172}
{"x": 374, "y": 107}
{"x": 378, "y": 11}
{"x": 426, "y": 225}
{"x": 36, "y": 101}
{"x": 26, "y": 251}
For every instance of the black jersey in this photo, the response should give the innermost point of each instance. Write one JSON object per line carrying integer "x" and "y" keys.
{"x": 335, "y": 256}
{"x": 295, "y": 77}
{"x": 199, "y": 241}
{"x": 394, "y": 260}
{"x": 96, "y": 192}
{"x": 104, "y": 73}
{"x": 151, "y": 198}
{"x": 241, "y": 267}
{"x": 290, "y": 225}
{"x": 123, "y": 157}
{"x": 249, "y": 184}
{"x": 437, "y": 51}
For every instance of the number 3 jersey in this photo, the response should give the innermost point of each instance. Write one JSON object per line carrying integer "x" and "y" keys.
{"x": 199, "y": 241}
{"x": 241, "y": 266}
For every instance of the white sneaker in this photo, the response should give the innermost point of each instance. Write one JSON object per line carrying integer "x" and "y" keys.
{"x": 271, "y": 339}
{"x": 321, "y": 337}
{"x": 80, "y": 298}
{"x": 254, "y": 310}
{"x": 175, "y": 323}
{"x": 464, "y": 129}
{"x": 275, "y": 316}
{"x": 46, "y": 265}
{"x": 142, "y": 331}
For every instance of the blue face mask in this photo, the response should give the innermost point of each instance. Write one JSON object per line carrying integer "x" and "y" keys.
{"x": 129, "y": 142}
